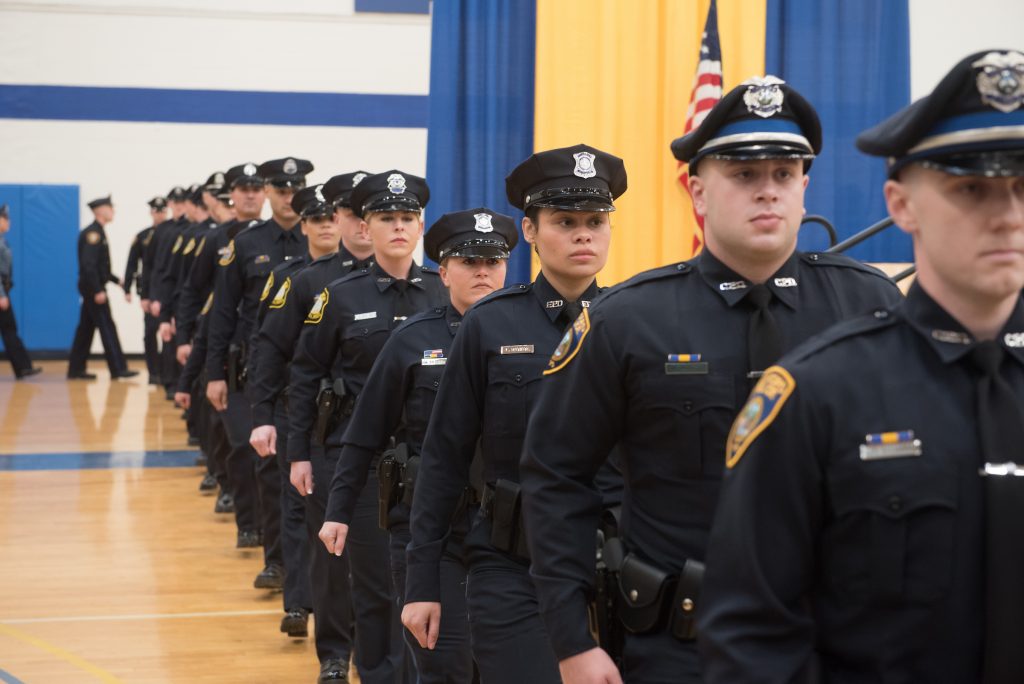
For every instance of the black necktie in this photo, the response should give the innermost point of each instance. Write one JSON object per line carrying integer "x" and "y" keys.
{"x": 569, "y": 313}
{"x": 764, "y": 341}
{"x": 1000, "y": 420}
{"x": 403, "y": 307}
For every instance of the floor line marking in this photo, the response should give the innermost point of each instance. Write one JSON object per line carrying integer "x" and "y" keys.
{"x": 66, "y": 656}
{"x": 8, "y": 678}
{"x": 140, "y": 616}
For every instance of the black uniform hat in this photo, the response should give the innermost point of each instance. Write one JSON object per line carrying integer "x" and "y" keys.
{"x": 177, "y": 194}
{"x": 286, "y": 173}
{"x": 158, "y": 203}
{"x": 194, "y": 194}
{"x": 215, "y": 183}
{"x": 390, "y": 191}
{"x": 972, "y": 124}
{"x": 480, "y": 233}
{"x": 338, "y": 190}
{"x": 100, "y": 201}
{"x": 5, "y": 212}
{"x": 311, "y": 202}
{"x": 762, "y": 118}
{"x": 244, "y": 174}
{"x": 578, "y": 178}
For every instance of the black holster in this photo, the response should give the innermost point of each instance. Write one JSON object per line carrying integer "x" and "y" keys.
{"x": 236, "y": 367}
{"x": 601, "y": 611}
{"x": 502, "y": 503}
{"x": 333, "y": 405}
{"x": 396, "y": 476}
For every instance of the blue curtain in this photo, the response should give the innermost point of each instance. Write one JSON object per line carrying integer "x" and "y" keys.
{"x": 481, "y": 107}
{"x": 851, "y": 59}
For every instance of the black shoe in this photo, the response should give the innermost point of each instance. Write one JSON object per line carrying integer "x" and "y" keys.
{"x": 247, "y": 539}
{"x": 154, "y": 380}
{"x": 225, "y": 503}
{"x": 126, "y": 373}
{"x": 294, "y": 622}
{"x": 208, "y": 485}
{"x": 333, "y": 671}
{"x": 169, "y": 393}
{"x": 201, "y": 459}
{"x": 81, "y": 376}
{"x": 194, "y": 441}
{"x": 28, "y": 372}
{"x": 270, "y": 577}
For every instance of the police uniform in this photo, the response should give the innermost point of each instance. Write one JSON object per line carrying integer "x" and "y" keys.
{"x": 489, "y": 389}
{"x": 15, "y": 348}
{"x": 343, "y": 333}
{"x": 856, "y": 534}
{"x": 167, "y": 243}
{"x": 397, "y": 402}
{"x": 133, "y": 275}
{"x": 93, "y": 276}
{"x": 660, "y": 366}
{"x": 241, "y": 277}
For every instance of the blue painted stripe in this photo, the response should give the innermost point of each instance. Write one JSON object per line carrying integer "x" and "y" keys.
{"x": 75, "y": 103}
{"x": 98, "y": 461}
{"x": 8, "y": 678}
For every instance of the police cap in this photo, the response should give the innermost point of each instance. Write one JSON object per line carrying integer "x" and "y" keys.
{"x": 289, "y": 172}
{"x": 5, "y": 212}
{"x": 194, "y": 194}
{"x": 177, "y": 194}
{"x": 390, "y": 191}
{"x": 215, "y": 183}
{"x": 338, "y": 189}
{"x": 246, "y": 175}
{"x": 312, "y": 202}
{"x": 100, "y": 201}
{"x": 578, "y": 178}
{"x": 478, "y": 233}
{"x": 762, "y": 118}
{"x": 972, "y": 124}
{"x": 158, "y": 203}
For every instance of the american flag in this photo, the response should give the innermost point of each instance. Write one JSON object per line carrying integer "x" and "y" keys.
{"x": 707, "y": 90}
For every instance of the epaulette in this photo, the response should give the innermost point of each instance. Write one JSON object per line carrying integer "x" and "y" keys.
{"x": 660, "y": 273}
{"x": 325, "y": 257}
{"x": 252, "y": 224}
{"x": 511, "y": 290}
{"x": 428, "y": 269}
{"x": 354, "y": 275}
{"x": 840, "y": 260}
{"x": 879, "y": 319}
{"x": 286, "y": 266}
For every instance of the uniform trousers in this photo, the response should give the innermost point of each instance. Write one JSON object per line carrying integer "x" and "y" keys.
{"x": 13, "y": 345}
{"x": 241, "y": 461}
{"x": 292, "y": 513}
{"x": 659, "y": 658}
{"x": 151, "y": 346}
{"x": 95, "y": 317}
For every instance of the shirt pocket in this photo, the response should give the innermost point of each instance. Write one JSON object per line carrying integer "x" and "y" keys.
{"x": 512, "y": 385}
{"x": 690, "y": 416}
{"x": 425, "y": 383}
{"x": 361, "y": 342}
{"x": 892, "y": 537}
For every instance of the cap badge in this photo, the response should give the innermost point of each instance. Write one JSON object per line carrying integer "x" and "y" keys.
{"x": 584, "y": 165}
{"x": 763, "y": 96}
{"x": 483, "y": 223}
{"x": 249, "y": 169}
{"x": 290, "y": 167}
{"x": 396, "y": 183}
{"x": 1000, "y": 80}
{"x": 357, "y": 179}
{"x": 319, "y": 194}
{"x": 218, "y": 178}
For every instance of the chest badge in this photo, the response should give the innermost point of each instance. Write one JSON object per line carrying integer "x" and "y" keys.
{"x": 685, "y": 364}
{"x": 433, "y": 357}
{"x": 885, "y": 445}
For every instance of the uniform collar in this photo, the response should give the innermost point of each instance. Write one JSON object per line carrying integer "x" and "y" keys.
{"x": 384, "y": 280}
{"x": 553, "y": 302}
{"x": 453, "y": 318}
{"x": 948, "y": 337}
{"x": 347, "y": 258}
{"x": 283, "y": 234}
{"x": 733, "y": 287}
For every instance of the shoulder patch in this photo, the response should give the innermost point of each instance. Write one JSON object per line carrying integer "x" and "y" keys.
{"x": 92, "y": 237}
{"x": 267, "y": 287}
{"x": 570, "y": 345}
{"x": 282, "y": 293}
{"x": 316, "y": 314}
{"x": 764, "y": 404}
{"x": 208, "y": 305}
{"x": 177, "y": 245}
{"x": 229, "y": 254}
{"x": 202, "y": 243}
{"x": 190, "y": 246}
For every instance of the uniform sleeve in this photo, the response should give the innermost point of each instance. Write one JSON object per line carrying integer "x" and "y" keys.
{"x": 195, "y": 287}
{"x": 274, "y": 343}
{"x": 167, "y": 275}
{"x": 89, "y": 256}
{"x": 448, "y": 450}
{"x": 574, "y": 426}
{"x": 313, "y": 361}
{"x": 148, "y": 263}
{"x": 194, "y": 364}
{"x": 377, "y": 416}
{"x": 754, "y": 624}
{"x": 228, "y": 286}
{"x": 131, "y": 269}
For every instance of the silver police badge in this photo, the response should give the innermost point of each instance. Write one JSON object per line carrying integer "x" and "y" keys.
{"x": 218, "y": 178}
{"x": 1000, "y": 80}
{"x": 396, "y": 183}
{"x": 584, "y": 165}
{"x": 249, "y": 169}
{"x": 763, "y": 96}
{"x": 483, "y": 223}
{"x": 319, "y": 194}
{"x": 290, "y": 167}
{"x": 357, "y": 179}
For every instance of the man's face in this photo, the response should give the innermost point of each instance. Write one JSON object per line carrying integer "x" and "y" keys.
{"x": 322, "y": 233}
{"x": 281, "y": 204}
{"x": 5, "y": 224}
{"x": 104, "y": 214}
{"x": 352, "y": 234}
{"x": 968, "y": 231}
{"x": 570, "y": 244}
{"x": 177, "y": 208}
{"x": 248, "y": 201}
{"x": 752, "y": 209}
{"x": 158, "y": 215}
{"x": 394, "y": 234}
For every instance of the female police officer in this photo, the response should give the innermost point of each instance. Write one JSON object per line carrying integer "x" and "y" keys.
{"x": 344, "y": 332}
{"x": 471, "y": 247}
{"x": 490, "y": 384}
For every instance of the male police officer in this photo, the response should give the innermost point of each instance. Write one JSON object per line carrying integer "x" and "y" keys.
{"x": 133, "y": 273}
{"x": 870, "y": 526}
{"x": 16, "y": 352}
{"x": 660, "y": 367}
{"x": 93, "y": 276}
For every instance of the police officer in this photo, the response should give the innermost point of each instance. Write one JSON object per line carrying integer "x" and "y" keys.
{"x": 472, "y": 248}
{"x": 93, "y": 276}
{"x": 159, "y": 258}
{"x": 16, "y": 352}
{"x": 870, "y": 525}
{"x": 133, "y": 274}
{"x": 661, "y": 367}
{"x": 343, "y": 333}
{"x": 490, "y": 384}
{"x": 241, "y": 277}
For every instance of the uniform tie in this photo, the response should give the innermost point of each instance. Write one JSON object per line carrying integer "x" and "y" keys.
{"x": 764, "y": 341}
{"x": 569, "y": 313}
{"x": 403, "y": 307}
{"x": 1001, "y": 430}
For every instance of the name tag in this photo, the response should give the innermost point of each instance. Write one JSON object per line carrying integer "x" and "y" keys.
{"x": 433, "y": 362}
{"x": 887, "y": 445}
{"x": 685, "y": 364}
{"x": 364, "y": 316}
{"x": 262, "y": 259}
{"x": 517, "y": 349}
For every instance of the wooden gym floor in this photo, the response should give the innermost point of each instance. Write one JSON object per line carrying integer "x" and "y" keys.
{"x": 112, "y": 567}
